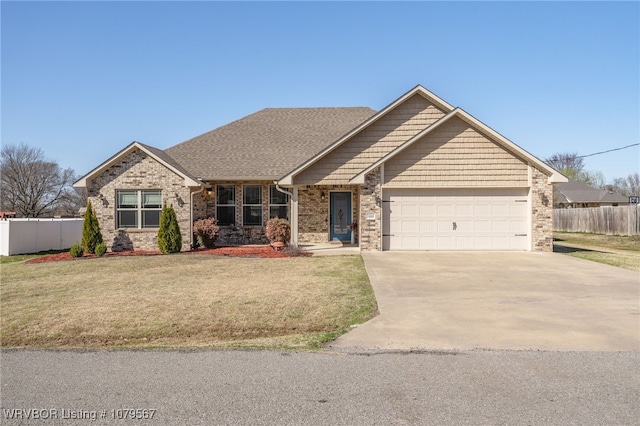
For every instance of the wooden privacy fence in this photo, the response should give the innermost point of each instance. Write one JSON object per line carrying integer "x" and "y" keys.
{"x": 621, "y": 220}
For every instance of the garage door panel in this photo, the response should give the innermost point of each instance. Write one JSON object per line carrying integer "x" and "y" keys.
{"x": 483, "y": 219}
{"x": 482, "y": 226}
{"x": 444, "y": 226}
{"x": 482, "y": 210}
{"x": 464, "y": 210}
{"x": 518, "y": 226}
{"x": 427, "y": 227}
{"x": 428, "y": 210}
{"x": 411, "y": 226}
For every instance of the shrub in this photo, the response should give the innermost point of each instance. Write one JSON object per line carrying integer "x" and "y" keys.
{"x": 76, "y": 250}
{"x": 278, "y": 230}
{"x": 91, "y": 235}
{"x": 169, "y": 238}
{"x": 206, "y": 231}
{"x": 101, "y": 249}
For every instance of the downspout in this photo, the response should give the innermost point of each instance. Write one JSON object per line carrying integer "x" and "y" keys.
{"x": 191, "y": 215}
{"x": 294, "y": 212}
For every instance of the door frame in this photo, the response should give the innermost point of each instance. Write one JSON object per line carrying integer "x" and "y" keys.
{"x": 350, "y": 218}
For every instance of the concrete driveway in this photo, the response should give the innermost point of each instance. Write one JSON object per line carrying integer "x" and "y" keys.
{"x": 498, "y": 300}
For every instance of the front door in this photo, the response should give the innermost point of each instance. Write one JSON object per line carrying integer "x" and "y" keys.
{"x": 339, "y": 216}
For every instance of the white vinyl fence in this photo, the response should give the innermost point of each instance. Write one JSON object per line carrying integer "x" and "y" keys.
{"x": 21, "y": 236}
{"x": 621, "y": 220}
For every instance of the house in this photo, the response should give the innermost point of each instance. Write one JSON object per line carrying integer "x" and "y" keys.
{"x": 419, "y": 174}
{"x": 574, "y": 194}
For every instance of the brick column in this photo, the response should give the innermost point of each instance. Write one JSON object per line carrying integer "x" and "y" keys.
{"x": 370, "y": 204}
{"x": 541, "y": 212}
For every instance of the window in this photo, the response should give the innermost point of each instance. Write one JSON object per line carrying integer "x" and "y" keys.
{"x": 226, "y": 204}
{"x": 278, "y": 203}
{"x": 252, "y": 205}
{"x": 138, "y": 208}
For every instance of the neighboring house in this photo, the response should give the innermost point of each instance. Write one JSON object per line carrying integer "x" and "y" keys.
{"x": 417, "y": 175}
{"x": 574, "y": 194}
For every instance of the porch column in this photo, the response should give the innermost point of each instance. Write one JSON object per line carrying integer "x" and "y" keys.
{"x": 294, "y": 217}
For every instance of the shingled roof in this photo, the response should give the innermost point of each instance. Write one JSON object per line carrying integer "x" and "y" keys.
{"x": 578, "y": 192}
{"x": 267, "y": 144}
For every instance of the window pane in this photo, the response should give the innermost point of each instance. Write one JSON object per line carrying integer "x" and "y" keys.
{"x": 151, "y": 199}
{"x": 281, "y": 211}
{"x": 277, "y": 197}
{"x": 127, "y": 219}
{"x": 226, "y": 194}
{"x": 252, "y": 194}
{"x": 128, "y": 199}
{"x": 252, "y": 215}
{"x": 226, "y": 215}
{"x": 150, "y": 218}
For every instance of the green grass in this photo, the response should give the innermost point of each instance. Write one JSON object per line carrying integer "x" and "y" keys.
{"x": 615, "y": 250}
{"x": 183, "y": 301}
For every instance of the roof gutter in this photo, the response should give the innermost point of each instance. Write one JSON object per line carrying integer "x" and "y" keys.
{"x": 191, "y": 214}
{"x": 284, "y": 191}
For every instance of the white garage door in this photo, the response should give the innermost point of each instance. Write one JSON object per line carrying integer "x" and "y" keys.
{"x": 475, "y": 219}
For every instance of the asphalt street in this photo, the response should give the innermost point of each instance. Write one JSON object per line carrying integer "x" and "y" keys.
{"x": 270, "y": 387}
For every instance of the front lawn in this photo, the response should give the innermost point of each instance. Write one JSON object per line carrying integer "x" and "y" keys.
{"x": 616, "y": 250}
{"x": 183, "y": 301}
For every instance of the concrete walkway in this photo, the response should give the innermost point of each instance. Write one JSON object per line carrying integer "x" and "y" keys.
{"x": 498, "y": 300}
{"x": 329, "y": 249}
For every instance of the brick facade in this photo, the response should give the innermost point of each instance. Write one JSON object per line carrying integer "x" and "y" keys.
{"x": 205, "y": 206}
{"x": 541, "y": 212}
{"x": 313, "y": 211}
{"x": 371, "y": 204}
{"x": 137, "y": 171}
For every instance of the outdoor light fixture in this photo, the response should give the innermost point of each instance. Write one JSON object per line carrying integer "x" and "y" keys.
{"x": 322, "y": 196}
{"x": 179, "y": 200}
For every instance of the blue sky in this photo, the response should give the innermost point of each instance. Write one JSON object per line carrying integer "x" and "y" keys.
{"x": 82, "y": 80}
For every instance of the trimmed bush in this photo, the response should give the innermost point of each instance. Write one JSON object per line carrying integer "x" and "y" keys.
{"x": 278, "y": 230}
{"x": 91, "y": 235}
{"x": 206, "y": 231}
{"x": 169, "y": 237}
{"x": 76, "y": 250}
{"x": 101, "y": 249}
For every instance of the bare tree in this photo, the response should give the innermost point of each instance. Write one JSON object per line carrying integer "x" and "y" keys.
{"x": 71, "y": 202}
{"x": 567, "y": 163}
{"x": 31, "y": 185}
{"x": 627, "y": 186}
{"x": 572, "y": 166}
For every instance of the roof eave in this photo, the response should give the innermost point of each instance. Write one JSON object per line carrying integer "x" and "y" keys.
{"x": 82, "y": 182}
{"x": 554, "y": 175}
{"x": 288, "y": 179}
{"x": 359, "y": 178}
{"x": 239, "y": 178}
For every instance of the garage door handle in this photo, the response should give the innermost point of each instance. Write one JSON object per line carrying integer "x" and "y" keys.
{"x": 388, "y": 235}
{"x": 521, "y": 235}
{"x": 455, "y": 226}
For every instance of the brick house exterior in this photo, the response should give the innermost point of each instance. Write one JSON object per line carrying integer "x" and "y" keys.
{"x": 419, "y": 174}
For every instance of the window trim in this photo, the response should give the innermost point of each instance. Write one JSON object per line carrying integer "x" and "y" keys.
{"x": 286, "y": 204}
{"x": 218, "y": 204}
{"x": 138, "y": 209}
{"x": 259, "y": 204}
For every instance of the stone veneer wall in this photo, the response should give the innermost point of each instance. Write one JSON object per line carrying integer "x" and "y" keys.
{"x": 313, "y": 211}
{"x": 541, "y": 212}
{"x": 371, "y": 203}
{"x": 137, "y": 171}
{"x": 205, "y": 206}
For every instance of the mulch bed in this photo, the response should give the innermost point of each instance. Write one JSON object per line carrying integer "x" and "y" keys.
{"x": 232, "y": 251}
